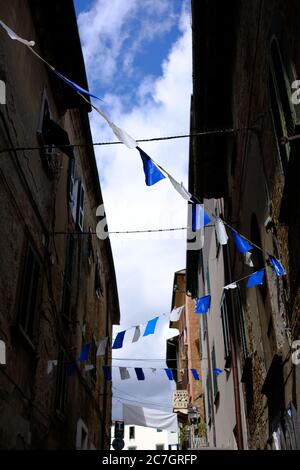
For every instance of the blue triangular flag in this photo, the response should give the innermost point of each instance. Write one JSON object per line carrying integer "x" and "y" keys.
{"x": 84, "y": 353}
{"x": 75, "y": 86}
{"x": 107, "y": 372}
{"x": 118, "y": 343}
{"x": 150, "y": 328}
{"x": 217, "y": 371}
{"x": 139, "y": 373}
{"x": 152, "y": 173}
{"x": 277, "y": 266}
{"x": 240, "y": 242}
{"x": 199, "y": 217}
{"x": 195, "y": 374}
{"x": 256, "y": 278}
{"x": 203, "y": 304}
{"x": 170, "y": 374}
{"x": 70, "y": 368}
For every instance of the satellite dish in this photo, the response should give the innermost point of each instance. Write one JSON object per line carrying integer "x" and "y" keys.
{"x": 118, "y": 443}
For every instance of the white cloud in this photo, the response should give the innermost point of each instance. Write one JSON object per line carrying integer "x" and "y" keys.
{"x": 107, "y": 28}
{"x": 145, "y": 264}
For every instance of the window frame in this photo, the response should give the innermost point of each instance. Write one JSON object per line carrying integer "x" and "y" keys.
{"x": 31, "y": 293}
{"x": 226, "y": 329}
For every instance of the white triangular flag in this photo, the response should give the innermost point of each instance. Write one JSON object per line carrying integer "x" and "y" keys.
{"x": 175, "y": 314}
{"x": 137, "y": 334}
{"x": 120, "y": 133}
{"x": 231, "y": 286}
{"x": 2, "y": 353}
{"x": 124, "y": 373}
{"x": 123, "y": 136}
{"x": 89, "y": 367}
{"x": 102, "y": 347}
{"x": 248, "y": 259}
{"x": 50, "y": 366}
{"x": 14, "y": 36}
{"x": 180, "y": 188}
{"x": 221, "y": 232}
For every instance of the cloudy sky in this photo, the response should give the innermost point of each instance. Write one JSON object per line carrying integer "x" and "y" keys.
{"x": 138, "y": 60}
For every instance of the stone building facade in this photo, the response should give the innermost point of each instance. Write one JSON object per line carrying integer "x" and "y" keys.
{"x": 183, "y": 354}
{"x": 57, "y": 281}
{"x": 246, "y": 57}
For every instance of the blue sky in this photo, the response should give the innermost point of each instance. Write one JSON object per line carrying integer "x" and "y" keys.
{"x": 143, "y": 47}
{"x": 138, "y": 59}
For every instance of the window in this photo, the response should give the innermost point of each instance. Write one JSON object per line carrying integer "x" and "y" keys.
{"x": 61, "y": 382}
{"x": 68, "y": 277}
{"x": 29, "y": 293}
{"x": 71, "y": 180}
{"x": 215, "y": 377}
{"x": 282, "y": 109}
{"x": 241, "y": 323}
{"x": 52, "y": 137}
{"x": 160, "y": 447}
{"x": 98, "y": 283}
{"x": 80, "y": 206}
{"x": 131, "y": 432}
{"x": 226, "y": 329}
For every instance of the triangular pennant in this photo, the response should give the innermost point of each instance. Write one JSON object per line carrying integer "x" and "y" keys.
{"x": 199, "y": 217}
{"x": 70, "y": 368}
{"x": 75, "y": 87}
{"x": 102, "y": 347}
{"x": 124, "y": 373}
{"x": 150, "y": 328}
{"x": 152, "y": 172}
{"x": 176, "y": 313}
{"x": 221, "y": 232}
{"x": 277, "y": 266}
{"x": 180, "y": 188}
{"x": 203, "y": 304}
{"x": 240, "y": 242}
{"x": 84, "y": 352}
{"x": 256, "y": 278}
{"x": 118, "y": 343}
{"x": 195, "y": 374}
{"x": 170, "y": 374}
{"x": 50, "y": 366}
{"x": 137, "y": 334}
{"x": 107, "y": 372}
{"x": 248, "y": 259}
{"x": 123, "y": 136}
{"x": 88, "y": 367}
{"x": 139, "y": 373}
{"x": 217, "y": 371}
{"x": 231, "y": 286}
{"x": 15, "y": 37}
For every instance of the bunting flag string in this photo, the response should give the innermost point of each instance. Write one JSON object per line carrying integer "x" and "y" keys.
{"x": 153, "y": 174}
{"x": 153, "y": 171}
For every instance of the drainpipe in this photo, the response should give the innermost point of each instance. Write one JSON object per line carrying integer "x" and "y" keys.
{"x": 235, "y": 373}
